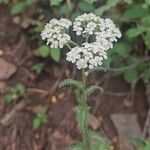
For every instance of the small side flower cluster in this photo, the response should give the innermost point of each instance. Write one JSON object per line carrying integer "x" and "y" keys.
{"x": 56, "y": 32}
{"x": 90, "y": 24}
{"x": 87, "y": 56}
{"x": 86, "y": 24}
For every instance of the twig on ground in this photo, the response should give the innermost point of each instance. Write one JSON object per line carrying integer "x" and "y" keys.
{"x": 7, "y": 117}
{"x": 147, "y": 126}
{"x": 146, "y": 130}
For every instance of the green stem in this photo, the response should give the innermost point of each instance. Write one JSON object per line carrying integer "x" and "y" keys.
{"x": 86, "y": 138}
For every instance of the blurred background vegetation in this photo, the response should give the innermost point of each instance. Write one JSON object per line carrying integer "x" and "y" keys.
{"x": 129, "y": 58}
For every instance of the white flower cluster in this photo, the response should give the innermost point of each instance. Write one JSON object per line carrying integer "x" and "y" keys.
{"x": 88, "y": 56}
{"x": 56, "y": 32}
{"x": 90, "y": 24}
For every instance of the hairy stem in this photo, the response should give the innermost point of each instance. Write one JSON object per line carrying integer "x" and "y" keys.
{"x": 86, "y": 138}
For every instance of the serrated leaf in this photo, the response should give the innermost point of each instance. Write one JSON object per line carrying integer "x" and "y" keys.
{"x": 69, "y": 82}
{"x": 44, "y": 51}
{"x": 18, "y": 8}
{"x": 55, "y": 54}
{"x": 82, "y": 113}
{"x": 92, "y": 89}
{"x": 131, "y": 75}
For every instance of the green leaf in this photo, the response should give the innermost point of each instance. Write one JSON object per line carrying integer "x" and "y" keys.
{"x": 4, "y": 1}
{"x": 42, "y": 112}
{"x": 44, "y": 51}
{"x": 99, "y": 142}
{"x": 38, "y": 68}
{"x": 36, "y": 123}
{"x": 146, "y": 20}
{"x": 110, "y": 3}
{"x": 63, "y": 10}
{"x": 55, "y": 2}
{"x": 129, "y": 2}
{"x": 113, "y": 3}
{"x": 92, "y": 89}
{"x": 55, "y": 54}
{"x": 8, "y": 98}
{"x": 121, "y": 48}
{"x": 135, "y": 11}
{"x": 75, "y": 14}
{"x": 133, "y": 32}
{"x": 107, "y": 62}
{"x": 20, "y": 89}
{"x": 99, "y": 11}
{"x": 78, "y": 146}
{"x": 18, "y": 8}
{"x": 146, "y": 74}
{"x": 69, "y": 82}
{"x": 85, "y": 6}
{"x": 147, "y": 147}
{"x": 40, "y": 118}
{"x": 96, "y": 69}
{"x": 82, "y": 113}
{"x": 131, "y": 75}
{"x": 139, "y": 143}
{"x": 90, "y": 1}
{"x": 147, "y": 40}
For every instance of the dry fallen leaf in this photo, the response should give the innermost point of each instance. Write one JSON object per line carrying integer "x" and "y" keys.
{"x": 1, "y": 52}
{"x": 67, "y": 73}
{"x": 53, "y": 99}
{"x": 34, "y": 109}
{"x": 127, "y": 103}
{"x": 24, "y": 21}
{"x": 94, "y": 122}
{"x": 61, "y": 96}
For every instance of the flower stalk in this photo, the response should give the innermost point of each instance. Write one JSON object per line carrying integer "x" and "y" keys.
{"x": 86, "y": 138}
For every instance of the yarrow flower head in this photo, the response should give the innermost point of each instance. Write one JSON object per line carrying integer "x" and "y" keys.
{"x": 88, "y": 55}
{"x": 56, "y": 32}
{"x": 90, "y": 24}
